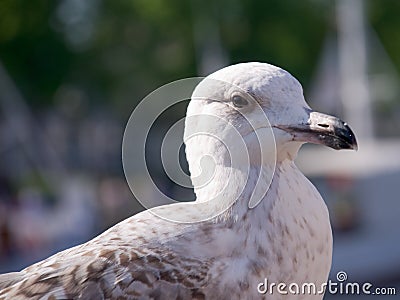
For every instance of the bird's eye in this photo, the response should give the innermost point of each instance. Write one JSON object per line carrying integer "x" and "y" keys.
{"x": 239, "y": 102}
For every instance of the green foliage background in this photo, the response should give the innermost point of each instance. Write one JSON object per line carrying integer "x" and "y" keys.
{"x": 133, "y": 46}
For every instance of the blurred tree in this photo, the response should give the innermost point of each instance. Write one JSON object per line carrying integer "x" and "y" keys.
{"x": 118, "y": 51}
{"x": 285, "y": 33}
{"x": 384, "y": 17}
{"x": 34, "y": 54}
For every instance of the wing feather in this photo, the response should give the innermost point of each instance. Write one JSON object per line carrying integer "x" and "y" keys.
{"x": 108, "y": 274}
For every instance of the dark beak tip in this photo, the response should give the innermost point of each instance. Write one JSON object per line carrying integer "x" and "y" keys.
{"x": 341, "y": 145}
{"x": 353, "y": 145}
{"x": 340, "y": 136}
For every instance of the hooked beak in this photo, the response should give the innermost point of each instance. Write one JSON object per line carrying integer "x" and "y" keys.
{"x": 323, "y": 129}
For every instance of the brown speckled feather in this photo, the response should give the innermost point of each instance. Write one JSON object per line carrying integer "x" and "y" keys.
{"x": 109, "y": 274}
{"x": 114, "y": 271}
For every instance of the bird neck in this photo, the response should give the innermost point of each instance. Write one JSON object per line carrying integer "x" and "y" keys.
{"x": 232, "y": 192}
{"x": 229, "y": 183}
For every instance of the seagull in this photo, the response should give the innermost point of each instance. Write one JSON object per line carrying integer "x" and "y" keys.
{"x": 256, "y": 217}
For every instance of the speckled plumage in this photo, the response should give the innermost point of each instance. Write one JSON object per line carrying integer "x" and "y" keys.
{"x": 286, "y": 237}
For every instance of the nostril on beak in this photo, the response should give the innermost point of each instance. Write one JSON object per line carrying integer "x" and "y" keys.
{"x": 323, "y": 125}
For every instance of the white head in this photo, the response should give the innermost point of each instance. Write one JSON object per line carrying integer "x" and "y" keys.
{"x": 244, "y": 108}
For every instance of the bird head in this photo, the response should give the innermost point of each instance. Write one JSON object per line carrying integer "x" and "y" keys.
{"x": 257, "y": 106}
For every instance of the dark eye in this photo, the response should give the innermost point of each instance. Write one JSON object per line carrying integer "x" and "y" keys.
{"x": 239, "y": 102}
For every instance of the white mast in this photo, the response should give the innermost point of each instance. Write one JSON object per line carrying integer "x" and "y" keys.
{"x": 353, "y": 68}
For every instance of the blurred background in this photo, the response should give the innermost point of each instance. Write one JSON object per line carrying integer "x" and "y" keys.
{"x": 72, "y": 71}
